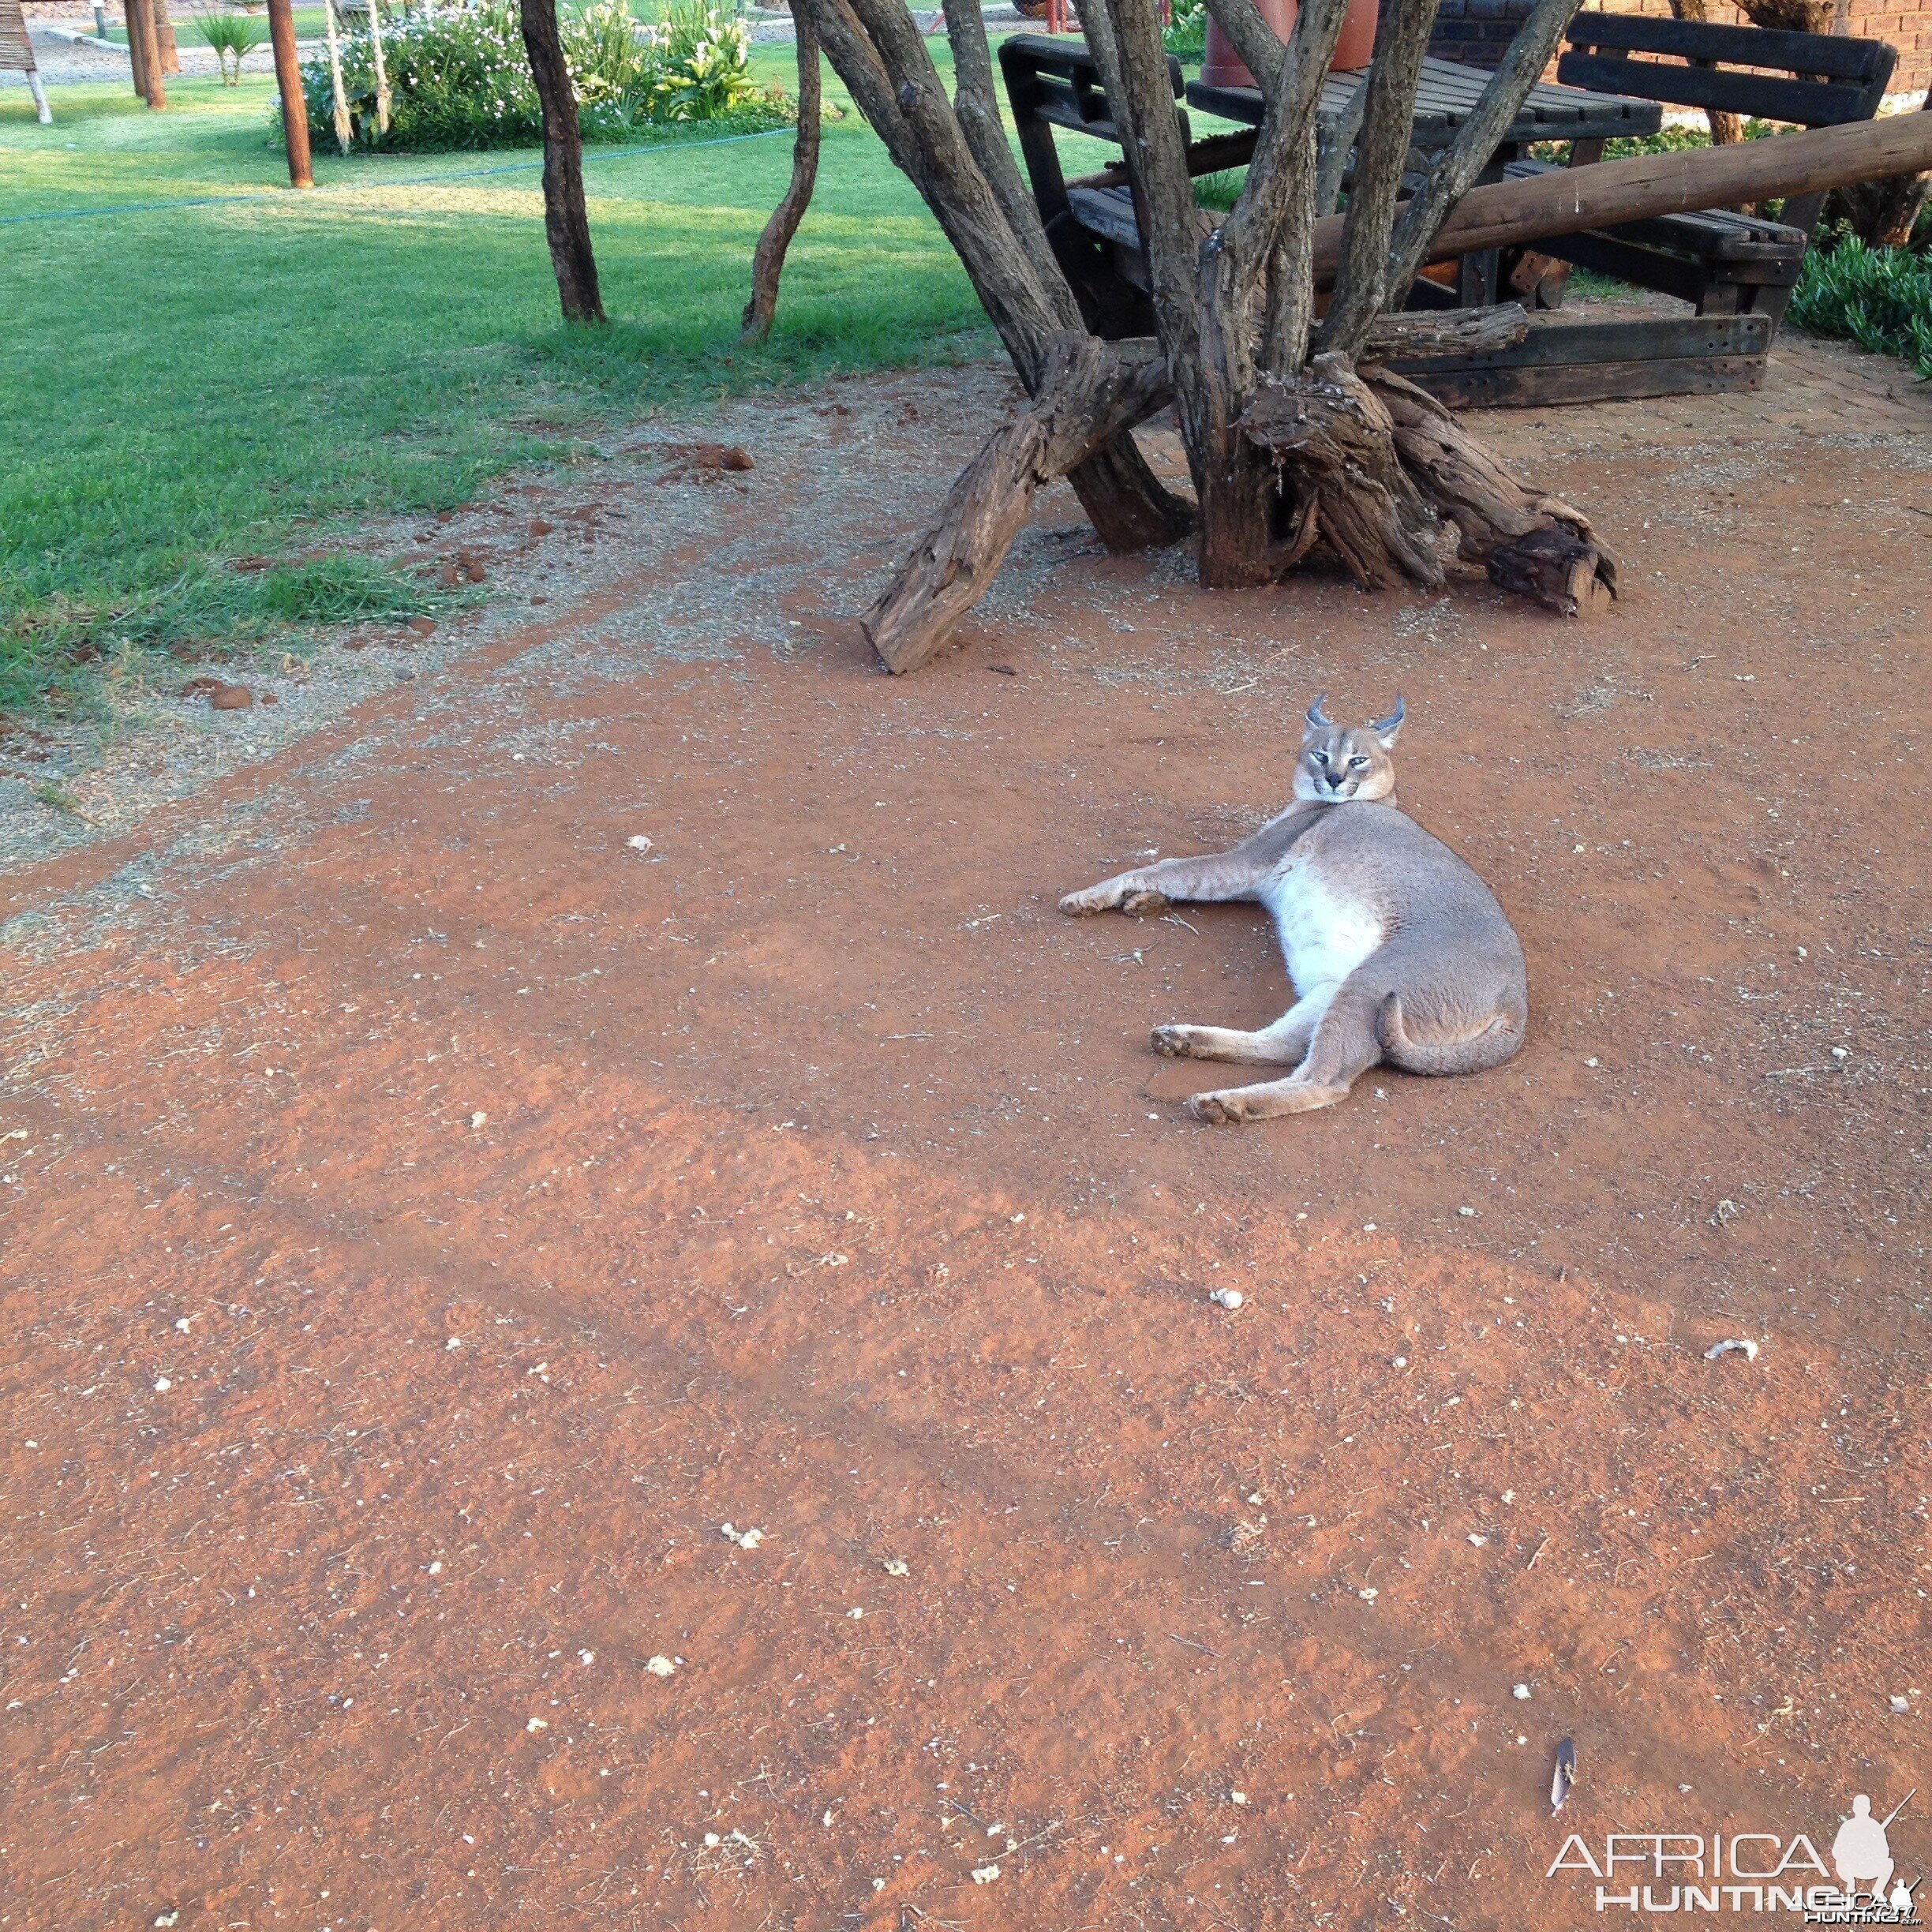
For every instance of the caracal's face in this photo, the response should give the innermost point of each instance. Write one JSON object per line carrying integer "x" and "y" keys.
{"x": 1340, "y": 762}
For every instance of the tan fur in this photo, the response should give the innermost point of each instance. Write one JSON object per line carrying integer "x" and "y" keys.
{"x": 1399, "y": 951}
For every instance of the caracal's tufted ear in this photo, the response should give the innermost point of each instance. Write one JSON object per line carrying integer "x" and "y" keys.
{"x": 1386, "y": 728}
{"x": 1316, "y": 718}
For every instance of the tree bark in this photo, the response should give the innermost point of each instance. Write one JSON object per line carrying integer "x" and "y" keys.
{"x": 166, "y": 49}
{"x": 566, "y": 223}
{"x": 1566, "y": 200}
{"x": 143, "y": 57}
{"x": 768, "y": 261}
{"x": 1534, "y": 545}
{"x": 1090, "y": 393}
{"x": 1883, "y": 214}
{"x": 288, "y": 83}
{"x": 876, "y": 50}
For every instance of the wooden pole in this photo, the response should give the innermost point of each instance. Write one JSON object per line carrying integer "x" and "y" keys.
{"x": 294, "y": 104}
{"x": 143, "y": 57}
{"x": 1570, "y": 200}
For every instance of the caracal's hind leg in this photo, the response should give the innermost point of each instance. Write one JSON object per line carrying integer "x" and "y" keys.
{"x": 1346, "y": 1044}
{"x": 1213, "y": 876}
{"x": 1283, "y": 1043}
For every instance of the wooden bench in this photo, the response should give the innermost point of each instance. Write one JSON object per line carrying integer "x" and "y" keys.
{"x": 1723, "y": 262}
{"x": 1091, "y": 223}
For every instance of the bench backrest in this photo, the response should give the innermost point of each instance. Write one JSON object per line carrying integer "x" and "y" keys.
{"x": 1056, "y": 82}
{"x": 1818, "y": 80}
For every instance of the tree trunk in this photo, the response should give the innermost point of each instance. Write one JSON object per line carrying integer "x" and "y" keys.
{"x": 167, "y": 50}
{"x": 1882, "y": 214}
{"x": 767, "y": 262}
{"x": 876, "y": 50}
{"x": 1090, "y": 393}
{"x": 288, "y": 83}
{"x": 567, "y": 225}
{"x": 143, "y": 57}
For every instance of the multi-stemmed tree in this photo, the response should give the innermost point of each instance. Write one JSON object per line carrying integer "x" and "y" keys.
{"x": 1297, "y": 439}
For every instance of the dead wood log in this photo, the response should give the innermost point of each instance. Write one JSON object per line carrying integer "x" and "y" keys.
{"x": 1090, "y": 393}
{"x": 566, "y": 223}
{"x": 769, "y": 259}
{"x": 1535, "y": 544}
{"x": 1445, "y": 333}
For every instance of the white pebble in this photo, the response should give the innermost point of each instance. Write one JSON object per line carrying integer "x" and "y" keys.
{"x": 894, "y": 1568}
{"x": 162, "y": 1385}
{"x": 1401, "y": 1361}
{"x": 661, "y": 1667}
{"x": 538, "y": 1724}
{"x": 479, "y": 1120}
{"x": 1479, "y": 1542}
{"x": 1237, "y": 1797}
{"x": 455, "y": 1342}
{"x": 1227, "y": 1297}
{"x": 1901, "y": 1704}
{"x": 985, "y": 1874}
{"x": 639, "y": 841}
{"x": 1468, "y": 1214}
{"x": 1521, "y": 1693}
{"x": 855, "y": 1613}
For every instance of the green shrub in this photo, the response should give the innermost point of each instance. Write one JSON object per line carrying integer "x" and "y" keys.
{"x": 460, "y": 79}
{"x": 1879, "y": 298}
{"x": 1187, "y": 30}
{"x": 233, "y": 37}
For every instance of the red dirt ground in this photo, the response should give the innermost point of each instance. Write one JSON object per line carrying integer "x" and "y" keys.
{"x": 431, "y": 1218}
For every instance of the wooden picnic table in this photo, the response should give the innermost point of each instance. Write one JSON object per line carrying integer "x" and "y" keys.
{"x": 1445, "y": 100}
{"x": 1447, "y": 97}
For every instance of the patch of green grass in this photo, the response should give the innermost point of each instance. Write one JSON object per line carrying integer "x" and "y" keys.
{"x": 257, "y": 374}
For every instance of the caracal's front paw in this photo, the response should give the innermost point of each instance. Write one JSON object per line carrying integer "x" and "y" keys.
{"x": 1226, "y": 1109}
{"x": 1102, "y": 898}
{"x": 1179, "y": 1043}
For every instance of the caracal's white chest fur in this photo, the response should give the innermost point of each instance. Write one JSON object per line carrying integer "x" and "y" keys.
{"x": 1325, "y": 935}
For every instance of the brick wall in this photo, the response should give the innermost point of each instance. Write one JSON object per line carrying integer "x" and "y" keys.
{"x": 1478, "y": 31}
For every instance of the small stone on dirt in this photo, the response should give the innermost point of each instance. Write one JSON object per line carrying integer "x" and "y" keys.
{"x": 230, "y": 697}
{"x": 661, "y": 1667}
{"x": 985, "y": 1874}
{"x": 420, "y": 627}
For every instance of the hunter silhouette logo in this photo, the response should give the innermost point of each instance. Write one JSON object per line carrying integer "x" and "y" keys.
{"x": 1752, "y": 1871}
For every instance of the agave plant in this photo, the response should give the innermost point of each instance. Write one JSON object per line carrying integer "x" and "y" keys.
{"x": 233, "y": 37}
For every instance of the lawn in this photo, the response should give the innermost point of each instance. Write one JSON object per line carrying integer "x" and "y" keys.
{"x": 217, "y": 364}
